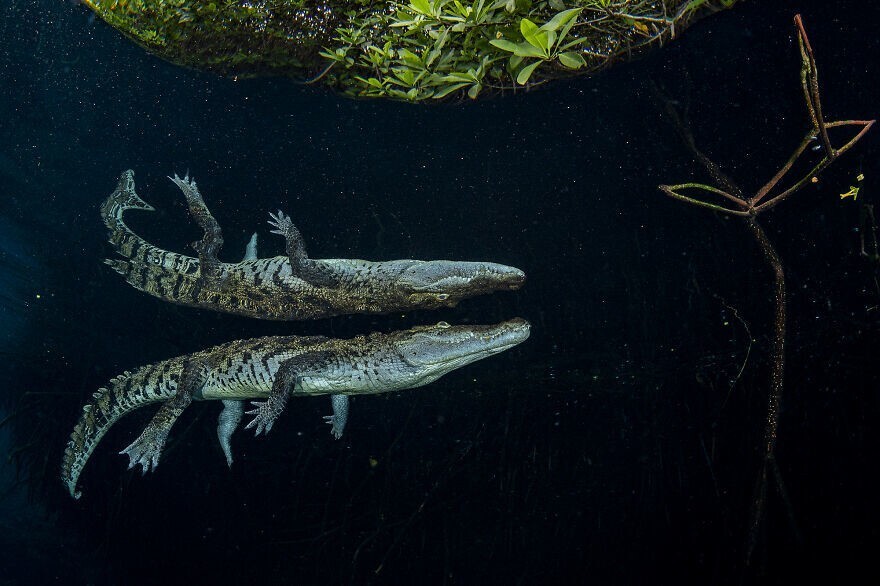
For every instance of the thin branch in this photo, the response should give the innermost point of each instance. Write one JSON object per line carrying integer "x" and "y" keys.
{"x": 865, "y": 123}
{"x": 810, "y": 86}
{"x": 671, "y": 191}
{"x": 762, "y": 193}
{"x": 713, "y": 169}
{"x": 820, "y": 166}
{"x": 320, "y": 75}
{"x": 810, "y": 83}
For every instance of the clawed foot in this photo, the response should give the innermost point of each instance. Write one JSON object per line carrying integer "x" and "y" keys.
{"x": 189, "y": 189}
{"x": 335, "y": 429}
{"x": 283, "y": 224}
{"x": 265, "y": 414}
{"x": 146, "y": 450}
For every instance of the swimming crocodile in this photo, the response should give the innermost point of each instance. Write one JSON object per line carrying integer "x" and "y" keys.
{"x": 272, "y": 369}
{"x": 292, "y": 287}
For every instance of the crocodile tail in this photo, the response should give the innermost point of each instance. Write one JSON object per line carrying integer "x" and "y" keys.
{"x": 147, "y": 267}
{"x": 124, "y": 197}
{"x": 127, "y": 392}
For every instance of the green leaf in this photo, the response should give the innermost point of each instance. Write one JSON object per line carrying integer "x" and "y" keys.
{"x": 561, "y": 19}
{"x": 457, "y": 76}
{"x": 409, "y": 57}
{"x": 474, "y": 91}
{"x": 567, "y": 27}
{"x": 448, "y": 90}
{"x": 432, "y": 56}
{"x": 519, "y": 49}
{"x": 526, "y": 72}
{"x": 504, "y": 45}
{"x": 405, "y": 76}
{"x": 572, "y": 60}
{"x": 421, "y": 6}
{"x": 371, "y": 82}
{"x": 441, "y": 39}
{"x": 526, "y": 50}
{"x": 480, "y": 11}
{"x": 568, "y": 46}
{"x": 514, "y": 62}
{"x": 532, "y": 34}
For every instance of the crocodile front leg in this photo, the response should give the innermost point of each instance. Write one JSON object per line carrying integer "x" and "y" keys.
{"x": 147, "y": 448}
{"x": 340, "y": 415}
{"x": 289, "y": 373}
{"x": 300, "y": 264}
{"x": 209, "y": 246}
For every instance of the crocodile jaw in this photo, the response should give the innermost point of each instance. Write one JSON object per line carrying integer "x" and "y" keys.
{"x": 451, "y": 281}
{"x": 433, "y": 351}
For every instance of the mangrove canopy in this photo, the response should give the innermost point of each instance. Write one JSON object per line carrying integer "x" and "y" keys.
{"x": 410, "y": 50}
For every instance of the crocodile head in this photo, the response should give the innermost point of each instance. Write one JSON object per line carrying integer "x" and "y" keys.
{"x": 437, "y": 283}
{"x": 427, "y": 353}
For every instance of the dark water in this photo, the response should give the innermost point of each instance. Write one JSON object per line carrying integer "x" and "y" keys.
{"x": 619, "y": 445}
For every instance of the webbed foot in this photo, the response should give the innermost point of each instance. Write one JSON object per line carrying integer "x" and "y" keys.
{"x": 212, "y": 241}
{"x": 189, "y": 188}
{"x": 265, "y": 414}
{"x": 339, "y": 418}
{"x": 146, "y": 449}
{"x": 335, "y": 428}
{"x": 283, "y": 225}
{"x": 314, "y": 272}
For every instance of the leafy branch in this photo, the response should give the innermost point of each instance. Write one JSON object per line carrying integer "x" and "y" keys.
{"x": 432, "y": 49}
{"x": 544, "y": 43}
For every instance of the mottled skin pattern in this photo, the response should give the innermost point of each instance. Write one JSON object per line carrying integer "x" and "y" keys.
{"x": 273, "y": 369}
{"x": 292, "y": 287}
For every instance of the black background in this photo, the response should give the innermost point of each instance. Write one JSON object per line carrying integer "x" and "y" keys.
{"x": 616, "y": 446}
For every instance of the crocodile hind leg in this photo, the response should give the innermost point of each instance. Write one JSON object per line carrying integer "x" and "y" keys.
{"x": 300, "y": 264}
{"x": 209, "y": 246}
{"x": 340, "y": 415}
{"x": 147, "y": 448}
{"x": 228, "y": 421}
{"x": 230, "y": 417}
{"x": 289, "y": 374}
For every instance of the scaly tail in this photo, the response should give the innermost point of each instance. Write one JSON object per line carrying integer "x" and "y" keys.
{"x": 146, "y": 267}
{"x": 124, "y": 198}
{"x": 131, "y": 390}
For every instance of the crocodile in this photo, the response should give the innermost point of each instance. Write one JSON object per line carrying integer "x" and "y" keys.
{"x": 290, "y": 287}
{"x": 269, "y": 370}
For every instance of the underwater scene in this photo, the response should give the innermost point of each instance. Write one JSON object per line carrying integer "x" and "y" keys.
{"x": 439, "y": 292}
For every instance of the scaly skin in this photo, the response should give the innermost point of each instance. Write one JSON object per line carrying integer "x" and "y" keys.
{"x": 273, "y": 369}
{"x": 292, "y": 287}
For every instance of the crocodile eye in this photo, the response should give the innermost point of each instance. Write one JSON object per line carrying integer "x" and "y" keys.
{"x": 442, "y": 324}
{"x": 443, "y": 296}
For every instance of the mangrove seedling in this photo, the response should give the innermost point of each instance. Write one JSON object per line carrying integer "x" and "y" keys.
{"x": 735, "y": 202}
